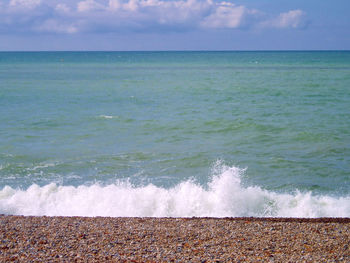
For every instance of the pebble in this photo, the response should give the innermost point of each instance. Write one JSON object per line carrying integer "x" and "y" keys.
{"x": 98, "y": 239}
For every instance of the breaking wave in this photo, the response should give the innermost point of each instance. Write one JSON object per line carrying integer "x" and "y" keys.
{"x": 223, "y": 196}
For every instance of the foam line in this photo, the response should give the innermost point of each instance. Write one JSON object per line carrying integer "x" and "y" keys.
{"x": 224, "y": 196}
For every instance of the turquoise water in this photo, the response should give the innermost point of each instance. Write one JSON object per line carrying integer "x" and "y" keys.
{"x": 158, "y": 130}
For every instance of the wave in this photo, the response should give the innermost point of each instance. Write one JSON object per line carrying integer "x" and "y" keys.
{"x": 223, "y": 196}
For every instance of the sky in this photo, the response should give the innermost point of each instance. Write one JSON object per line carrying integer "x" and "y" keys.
{"x": 34, "y": 25}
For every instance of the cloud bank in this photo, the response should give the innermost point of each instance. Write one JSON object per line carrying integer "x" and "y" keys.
{"x": 69, "y": 17}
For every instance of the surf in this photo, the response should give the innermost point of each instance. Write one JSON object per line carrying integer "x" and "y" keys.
{"x": 223, "y": 196}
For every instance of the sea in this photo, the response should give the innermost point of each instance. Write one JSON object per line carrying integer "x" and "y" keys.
{"x": 175, "y": 134}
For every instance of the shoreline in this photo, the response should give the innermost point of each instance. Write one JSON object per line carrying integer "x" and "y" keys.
{"x": 149, "y": 239}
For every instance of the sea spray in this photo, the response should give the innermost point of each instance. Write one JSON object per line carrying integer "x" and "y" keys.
{"x": 223, "y": 196}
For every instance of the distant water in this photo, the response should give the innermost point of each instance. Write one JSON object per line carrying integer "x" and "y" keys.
{"x": 175, "y": 133}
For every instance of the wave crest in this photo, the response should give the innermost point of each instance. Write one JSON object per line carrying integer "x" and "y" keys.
{"x": 224, "y": 196}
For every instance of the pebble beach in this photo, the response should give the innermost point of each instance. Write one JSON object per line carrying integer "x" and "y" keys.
{"x": 107, "y": 239}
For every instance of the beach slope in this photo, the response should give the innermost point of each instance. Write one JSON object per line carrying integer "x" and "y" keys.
{"x": 79, "y": 239}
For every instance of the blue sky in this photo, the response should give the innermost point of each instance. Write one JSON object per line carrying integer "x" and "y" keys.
{"x": 174, "y": 25}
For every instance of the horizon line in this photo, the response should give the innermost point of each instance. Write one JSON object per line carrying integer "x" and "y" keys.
{"x": 188, "y": 50}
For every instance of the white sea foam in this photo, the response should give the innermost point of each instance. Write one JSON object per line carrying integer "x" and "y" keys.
{"x": 41, "y": 166}
{"x": 224, "y": 196}
{"x": 108, "y": 116}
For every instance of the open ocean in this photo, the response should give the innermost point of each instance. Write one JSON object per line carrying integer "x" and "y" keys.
{"x": 175, "y": 134}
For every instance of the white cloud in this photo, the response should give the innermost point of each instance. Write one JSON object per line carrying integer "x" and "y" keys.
{"x": 89, "y": 5}
{"x": 28, "y": 4}
{"x": 64, "y": 16}
{"x": 114, "y": 4}
{"x": 132, "y": 5}
{"x": 62, "y": 8}
{"x": 225, "y": 16}
{"x": 291, "y": 19}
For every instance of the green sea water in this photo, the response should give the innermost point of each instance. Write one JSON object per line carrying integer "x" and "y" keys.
{"x": 164, "y": 119}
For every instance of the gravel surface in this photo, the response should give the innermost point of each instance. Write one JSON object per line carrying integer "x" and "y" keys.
{"x": 98, "y": 239}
